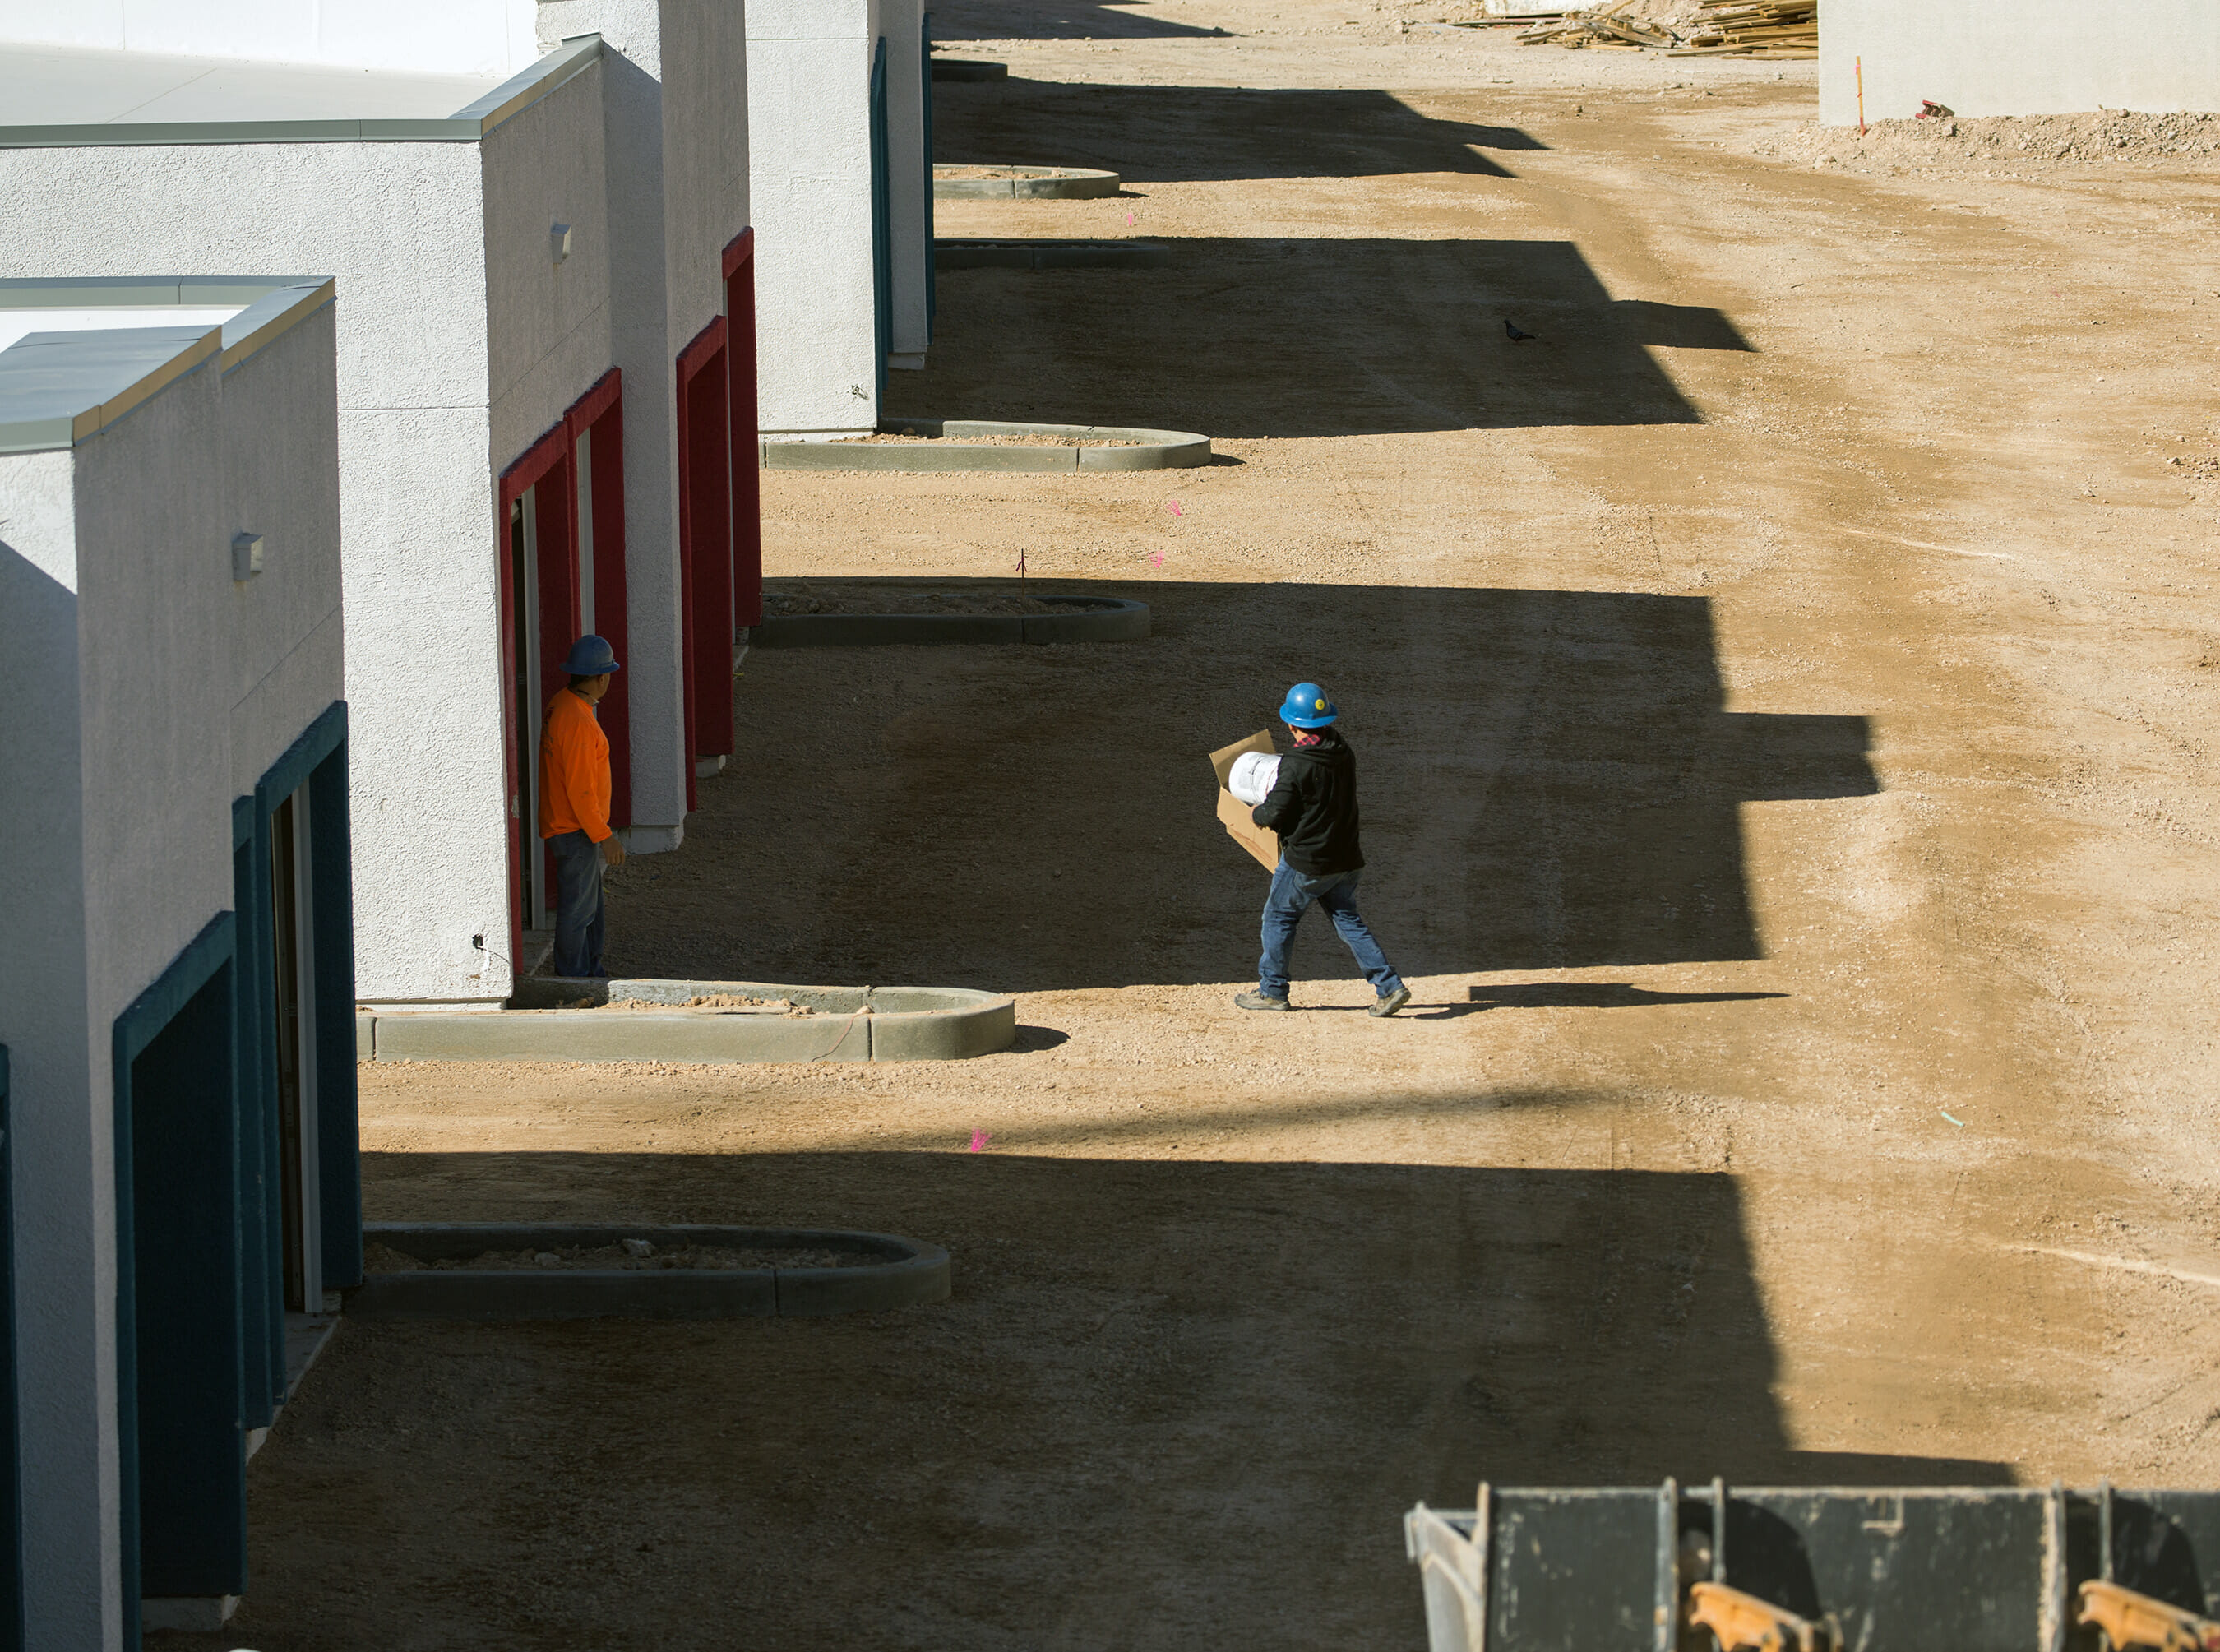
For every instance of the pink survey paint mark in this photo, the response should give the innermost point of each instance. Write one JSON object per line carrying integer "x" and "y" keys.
{"x": 979, "y": 1140}
{"x": 1173, "y": 506}
{"x": 1159, "y": 559}
{"x": 1128, "y": 220}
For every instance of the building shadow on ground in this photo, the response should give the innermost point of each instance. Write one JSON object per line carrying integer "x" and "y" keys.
{"x": 1550, "y": 779}
{"x": 1161, "y": 134}
{"x": 1054, "y": 20}
{"x": 1228, "y": 1379}
{"x": 1299, "y": 337}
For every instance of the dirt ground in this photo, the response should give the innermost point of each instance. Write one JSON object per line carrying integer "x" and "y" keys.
{"x": 1783, "y": 693}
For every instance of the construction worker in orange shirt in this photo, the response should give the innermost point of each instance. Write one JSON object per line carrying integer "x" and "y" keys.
{"x": 574, "y": 806}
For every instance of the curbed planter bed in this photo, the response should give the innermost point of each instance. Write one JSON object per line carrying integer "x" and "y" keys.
{"x": 990, "y": 253}
{"x": 968, "y": 69}
{"x": 1022, "y": 183}
{"x": 891, "y": 1273}
{"x": 553, "y": 1018}
{"x": 1136, "y": 449}
{"x": 1092, "y": 618}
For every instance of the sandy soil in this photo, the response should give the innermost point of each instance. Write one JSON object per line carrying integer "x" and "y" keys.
{"x": 1783, "y": 694}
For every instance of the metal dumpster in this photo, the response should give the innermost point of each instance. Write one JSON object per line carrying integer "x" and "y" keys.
{"x": 1670, "y": 1568}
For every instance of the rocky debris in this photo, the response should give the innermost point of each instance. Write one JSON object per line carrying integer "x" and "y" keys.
{"x": 1957, "y": 139}
{"x": 731, "y": 1003}
{"x": 1767, "y": 28}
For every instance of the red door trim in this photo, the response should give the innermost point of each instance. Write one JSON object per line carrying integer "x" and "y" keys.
{"x": 554, "y": 454}
{"x": 705, "y": 538}
{"x": 601, "y": 410}
{"x": 738, "y": 251}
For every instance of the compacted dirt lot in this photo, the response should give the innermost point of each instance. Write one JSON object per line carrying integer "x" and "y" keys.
{"x": 1783, "y": 690}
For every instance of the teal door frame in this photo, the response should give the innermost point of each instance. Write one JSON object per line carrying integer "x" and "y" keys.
{"x": 200, "y": 1308}
{"x": 924, "y": 69}
{"x": 882, "y": 282}
{"x": 318, "y": 758}
{"x": 11, "y": 1454}
{"x": 180, "y": 1399}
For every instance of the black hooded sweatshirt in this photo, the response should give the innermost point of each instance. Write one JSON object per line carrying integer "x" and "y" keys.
{"x": 1312, "y": 806}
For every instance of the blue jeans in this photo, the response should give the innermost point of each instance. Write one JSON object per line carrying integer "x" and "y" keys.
{"x": 577, "y": 904}
{"x": 1291, "y": 895}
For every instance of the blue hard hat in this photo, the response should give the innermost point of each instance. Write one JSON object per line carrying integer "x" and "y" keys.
{"x": 1308, "y": 708}
{"x": 592, "y": 655}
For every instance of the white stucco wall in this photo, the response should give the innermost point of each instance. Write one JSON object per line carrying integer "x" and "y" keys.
{"x": 435, "y": 36}
{"x": 452, "y": 315}
{"x": 151, "y": 684}
{"x": 282, "y": 480}
{"x": 2016, "y": 57}
{"x": 407, "y": 244}
{"x": 809, "y": 179}
{"x": 547, "y": 323}
{"x": 58, "y": 1062}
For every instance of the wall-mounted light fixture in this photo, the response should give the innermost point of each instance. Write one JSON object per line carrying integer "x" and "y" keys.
{"x": 245, "y": 555}
{"x": 559, "y": 240}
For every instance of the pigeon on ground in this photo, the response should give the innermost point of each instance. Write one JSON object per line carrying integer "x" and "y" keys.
{"x": 1511, "y": 331}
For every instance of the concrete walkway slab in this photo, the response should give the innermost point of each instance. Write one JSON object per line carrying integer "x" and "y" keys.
{"x": 846, "y": 1023}
{"x": 1141, "y": 449}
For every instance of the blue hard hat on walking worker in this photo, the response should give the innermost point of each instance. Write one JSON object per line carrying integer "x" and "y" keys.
{"x": 1308, "y": 708}
{"x": 592, "y": 655}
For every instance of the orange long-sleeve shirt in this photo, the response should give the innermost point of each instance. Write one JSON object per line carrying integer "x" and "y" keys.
{"x": 574, "y": 770}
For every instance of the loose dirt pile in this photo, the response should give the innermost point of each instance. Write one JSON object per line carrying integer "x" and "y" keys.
{"x": 631, "y": 1255}
{"x": 2119, "y": 134}
{"x": 942, "y": 170}
{"x": 731, "y": 1003}
{"x": 804, "y": 599}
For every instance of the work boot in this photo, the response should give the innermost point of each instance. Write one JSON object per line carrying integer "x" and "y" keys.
{"x": 1388, "y": 1003}
{"x": 1257, "y": 1000}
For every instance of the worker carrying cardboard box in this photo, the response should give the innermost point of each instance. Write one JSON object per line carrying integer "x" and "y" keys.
{"x": 574, "y": 806}
{"x": 1312, "y": 806}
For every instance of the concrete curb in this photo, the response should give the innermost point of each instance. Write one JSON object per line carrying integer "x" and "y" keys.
{"x": 1153, "y": 450}
{"x": 851, "y": 1023}
{"x": 968, "y": 69}
{"x": 1096, "y": 618}
{"x": 912, "y": 1272}
{"x": 1031, "y": 184}
{"x": 1017, "y": 255}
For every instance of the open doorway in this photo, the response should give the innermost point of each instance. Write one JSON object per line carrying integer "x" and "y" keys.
{"x": 525, "y": 674}
{"x": 293, "y": 952}
{"x": 562, "y": 576}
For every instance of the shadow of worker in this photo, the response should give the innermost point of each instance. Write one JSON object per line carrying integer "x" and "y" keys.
{"x": 1593, "y": 994}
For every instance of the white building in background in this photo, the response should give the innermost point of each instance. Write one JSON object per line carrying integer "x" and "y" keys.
{"x": 536, "y": 247}
{"x": 2016, "y": 57}
{"x": 178, "y": 1174}
{"x": 838, "y": 95}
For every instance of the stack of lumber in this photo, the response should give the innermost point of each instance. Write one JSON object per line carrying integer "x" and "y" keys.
{"x": 1755, "y": 28}
{"x": 1601, "y": 28}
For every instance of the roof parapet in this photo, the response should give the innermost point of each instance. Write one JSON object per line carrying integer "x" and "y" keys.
{"x": 74, "y": 393}
{"x": 469, "y": 124}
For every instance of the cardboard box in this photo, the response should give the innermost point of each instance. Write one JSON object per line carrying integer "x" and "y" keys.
{"x": 1234, "y": 814}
